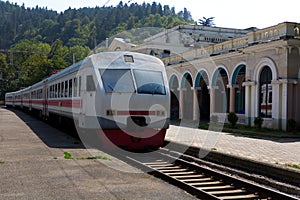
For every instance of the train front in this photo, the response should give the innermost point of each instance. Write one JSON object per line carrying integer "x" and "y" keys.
{"x": 134, "y": 100}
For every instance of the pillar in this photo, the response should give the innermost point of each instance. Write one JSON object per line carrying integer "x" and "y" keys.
{"x": 181, "y": 102}
{"x": 212, "y": 99}
{"x": 276, "y": 104}
{"x": 232, "y": 98}
{"x": 196, "y": 113}
{"x": 284, "y": 107}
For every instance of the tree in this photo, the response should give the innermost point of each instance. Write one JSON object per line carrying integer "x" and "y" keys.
{"x": 207, "y": 21}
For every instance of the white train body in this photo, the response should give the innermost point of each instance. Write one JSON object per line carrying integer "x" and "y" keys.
{"x": 106, "y": 91}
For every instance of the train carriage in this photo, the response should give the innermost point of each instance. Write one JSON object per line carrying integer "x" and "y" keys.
{"x": 122, "y": 96}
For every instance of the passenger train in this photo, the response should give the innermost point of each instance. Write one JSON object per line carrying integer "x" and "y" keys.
{"x": 122, "y": 96}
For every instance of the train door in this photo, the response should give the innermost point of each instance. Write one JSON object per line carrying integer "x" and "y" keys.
{"x": 88, "y": 118}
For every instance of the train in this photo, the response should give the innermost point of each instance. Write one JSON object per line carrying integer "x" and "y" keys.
{"x": 123, "y": 97}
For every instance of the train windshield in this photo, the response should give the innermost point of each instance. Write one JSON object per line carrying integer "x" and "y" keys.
{"x": 117, "y": 80}
{"x": 149, "y": 82}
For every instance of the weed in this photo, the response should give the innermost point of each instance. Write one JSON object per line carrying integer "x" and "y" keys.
{"x": 67, "y": 155}
{"x": 2, "y": 162}
{"x": 293, "y": 166}
{"x": 95, "y": 157}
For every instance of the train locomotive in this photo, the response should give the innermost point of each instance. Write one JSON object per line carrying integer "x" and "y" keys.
{"x": 123, "y": 97}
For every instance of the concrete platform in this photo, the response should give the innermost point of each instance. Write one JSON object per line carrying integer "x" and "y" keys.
{"x": 277, "y": 151}
{"x": 32, "y": 166}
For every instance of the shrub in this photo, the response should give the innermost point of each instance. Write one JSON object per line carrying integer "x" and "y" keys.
{"x": 232, "y": 118}
{"x": 291, "y": 125}
{"x": 258, "y": 121}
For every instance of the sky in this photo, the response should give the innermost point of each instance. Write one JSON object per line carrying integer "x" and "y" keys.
{"x": 227, "y": 13}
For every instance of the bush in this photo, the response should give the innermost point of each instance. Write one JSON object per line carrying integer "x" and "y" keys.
{"x": 258, "y": 121}
{"x": 291, "y": 125}
{"x": 232, "y": 118}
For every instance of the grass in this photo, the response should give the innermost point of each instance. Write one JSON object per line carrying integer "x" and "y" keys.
{"x": 295, "y": 166}
{"x": 67, "y": 155}
{"x": 2, "y": 162}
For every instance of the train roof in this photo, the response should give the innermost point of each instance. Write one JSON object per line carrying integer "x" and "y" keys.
{"x": 126, "y": 59}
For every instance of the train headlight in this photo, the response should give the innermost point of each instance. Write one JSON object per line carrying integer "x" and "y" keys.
{"x": 160, "y": 113}
{"x": 110, "y": 112}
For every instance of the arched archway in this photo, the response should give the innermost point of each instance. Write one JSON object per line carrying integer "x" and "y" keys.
{"x": 265, "y": 92}
{"x": 187, "y": 104}
{"x": 174, "y": 86}
{"x": 221, "y": 92}
{"x": 203, "y": 96}
{"x": 238, "y": 77}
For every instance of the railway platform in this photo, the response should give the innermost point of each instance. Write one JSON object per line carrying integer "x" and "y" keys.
{"x": 275, "y": 157}
{"x": 33, "y": 165}
{"x": 277, "y": 151}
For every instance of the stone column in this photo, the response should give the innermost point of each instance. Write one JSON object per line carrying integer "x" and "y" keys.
{"x": 212, "y": 99}
{"x": 181, "y": 102}
{"x": 254, "y": 102}
{"x": 284, "y": 116}
{"x": 250, "y": 95}
{"x": 232, "y": 97}
{"x": 276, "y": 104}
{"x": 196, "y": 113}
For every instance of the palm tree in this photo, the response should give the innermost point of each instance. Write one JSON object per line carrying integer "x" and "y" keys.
{"x": 207, "y": 21}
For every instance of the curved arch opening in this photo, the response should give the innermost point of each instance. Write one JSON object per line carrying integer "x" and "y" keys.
{"x": 187, "y": 84}
{"x": 174, "y": 105}
{"x": 203, "y": 96}
{"x": 238, "y": 78}
{"x": 265, "y": 92}
{"x": 221, "y": 100}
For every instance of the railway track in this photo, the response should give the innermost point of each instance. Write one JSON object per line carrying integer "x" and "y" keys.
{"x": 202, "y": 182}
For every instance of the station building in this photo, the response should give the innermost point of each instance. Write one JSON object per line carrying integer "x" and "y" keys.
{"x": 213, "y": 71}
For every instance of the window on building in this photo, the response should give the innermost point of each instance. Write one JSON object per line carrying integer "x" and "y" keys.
{"x": 265, "y": 93}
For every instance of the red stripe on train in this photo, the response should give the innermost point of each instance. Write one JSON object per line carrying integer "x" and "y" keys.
{"x": 133, "y": 112}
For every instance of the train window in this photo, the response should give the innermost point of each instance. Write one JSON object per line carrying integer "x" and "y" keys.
{"x": 58, "y": 90}
{"x": 62, "y": 87}
{"x": 70, "y": 88}
{"x": 79, "y": 86}
{"x": 66, "y": 89}
{"x": 117, "y": 80}
{"x": 75, "y": 87}
{"x": 55, "y": 91}
{"x": 90, "y": 84}
{"x": 149, "y": 82}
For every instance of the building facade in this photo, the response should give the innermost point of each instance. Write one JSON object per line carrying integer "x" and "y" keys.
{"x": 213, "y": 71}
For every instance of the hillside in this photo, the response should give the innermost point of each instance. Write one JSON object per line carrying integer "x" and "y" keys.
{"x": 85, "y": 26}
{"x": 35, "y": 42}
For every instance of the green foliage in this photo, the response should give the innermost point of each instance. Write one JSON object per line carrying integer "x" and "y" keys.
{"x": 67, "y": 155}
{"x": 82, "y": 26}
{"x": 291, "y": 125}
{"x": 258, "y": 121}
{"x": 207, "y": 21}
{"x": 39, "y": 41}
{"x": 232, "y": 118}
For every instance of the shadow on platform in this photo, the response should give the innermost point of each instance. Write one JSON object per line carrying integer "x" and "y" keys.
{"x": 51, "y": 136}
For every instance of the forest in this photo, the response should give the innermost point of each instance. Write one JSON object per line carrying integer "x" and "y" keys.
{"x": 36, "y": 42}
